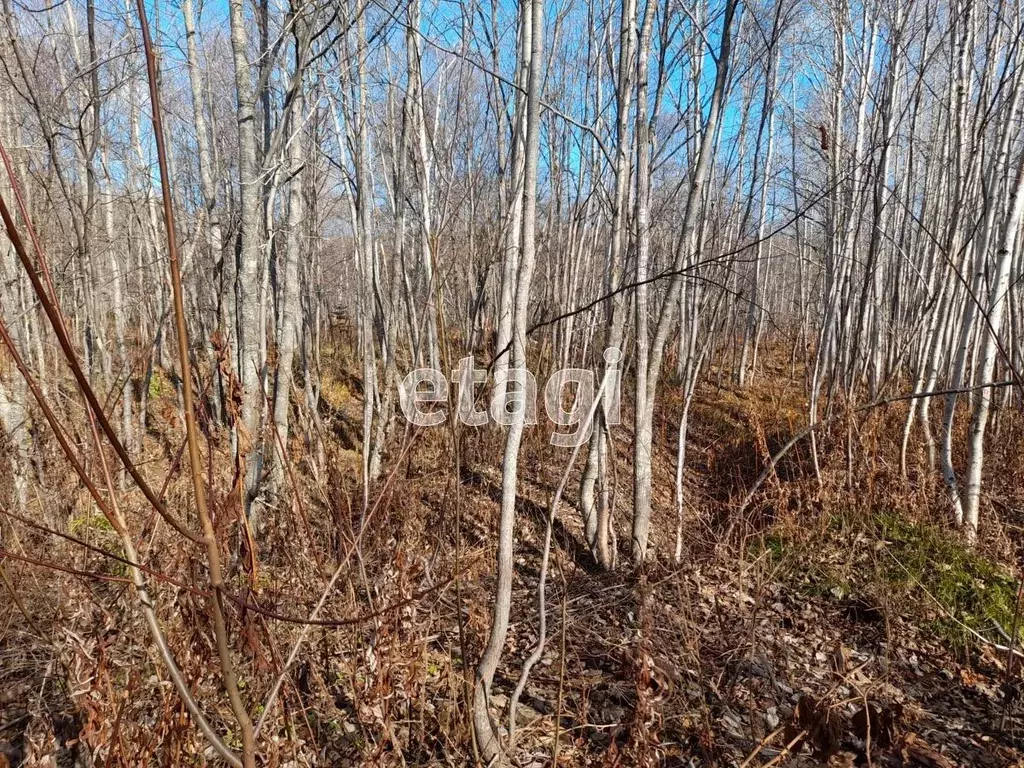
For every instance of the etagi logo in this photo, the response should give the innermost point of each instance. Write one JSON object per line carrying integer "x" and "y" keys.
{"x": 514, "y": 396}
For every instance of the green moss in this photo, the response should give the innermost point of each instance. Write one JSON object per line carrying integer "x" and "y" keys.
{"x": 158, "y": 384}
{"x": 885, "y": 559}
{"x": 969, "y": 586}
{"x": 773, "y": 543}
{"x": 91, "y": 521}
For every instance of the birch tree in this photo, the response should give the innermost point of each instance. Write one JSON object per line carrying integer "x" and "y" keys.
{"x": 531, "y": 49}
{"x": 250, "y": 332}
{"x": 670, "y": 306}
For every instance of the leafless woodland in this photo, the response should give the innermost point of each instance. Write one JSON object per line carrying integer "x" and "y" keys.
{"x": 230, "y": 231}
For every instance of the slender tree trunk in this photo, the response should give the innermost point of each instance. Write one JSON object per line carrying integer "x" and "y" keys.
{"x": 288, "y": 328}
{"x": 531, "y": 53}
{"x": 687, "y": 239}
{"x": 249, "y": 251}
{"x": 995, "y": 316}
{"x": 226, "y": 325}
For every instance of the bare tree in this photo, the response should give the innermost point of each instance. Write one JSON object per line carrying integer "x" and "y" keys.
{"x": 531, "y": 48}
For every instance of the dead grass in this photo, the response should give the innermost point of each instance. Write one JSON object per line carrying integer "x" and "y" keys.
{"x": 701, "y": 662}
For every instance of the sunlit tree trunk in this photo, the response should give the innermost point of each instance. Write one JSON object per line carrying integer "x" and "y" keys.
{"x": 289, "y": 326}
{"x": 685, "y": 245}
{"x": 225, "y": 289}
{"x": 250, "y": 332}
{"x": 531, "y": 52}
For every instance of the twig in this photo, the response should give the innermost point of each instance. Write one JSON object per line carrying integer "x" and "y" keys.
{"x": 860, "y": 409}
{"x": 361, "y": 619}
{"x": 158, "y": 575}
{"x": 1012, "y": 639}
{"x": 786, "y": 750}
{"x": 545, "y": 559}
{"x": 192, "y": 433}
{"x": 21, "y": 607}
{"x": 761, "y": 745}
{"x": 296, "y": 491}
{"x": 53, "y": 313}
{"x": 276, "y": 688}
{"x": 977, "y": 635}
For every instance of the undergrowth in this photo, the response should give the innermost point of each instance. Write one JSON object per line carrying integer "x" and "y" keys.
{"x": 886, "y": 560}
{"x": 694, "y": 662}
{"x": 975, "y": 592}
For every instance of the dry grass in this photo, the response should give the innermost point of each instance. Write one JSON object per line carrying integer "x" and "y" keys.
{"x": 700, "y": 662}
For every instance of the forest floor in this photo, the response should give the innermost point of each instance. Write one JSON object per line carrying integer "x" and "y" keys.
{"x": 832, "y": 623}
